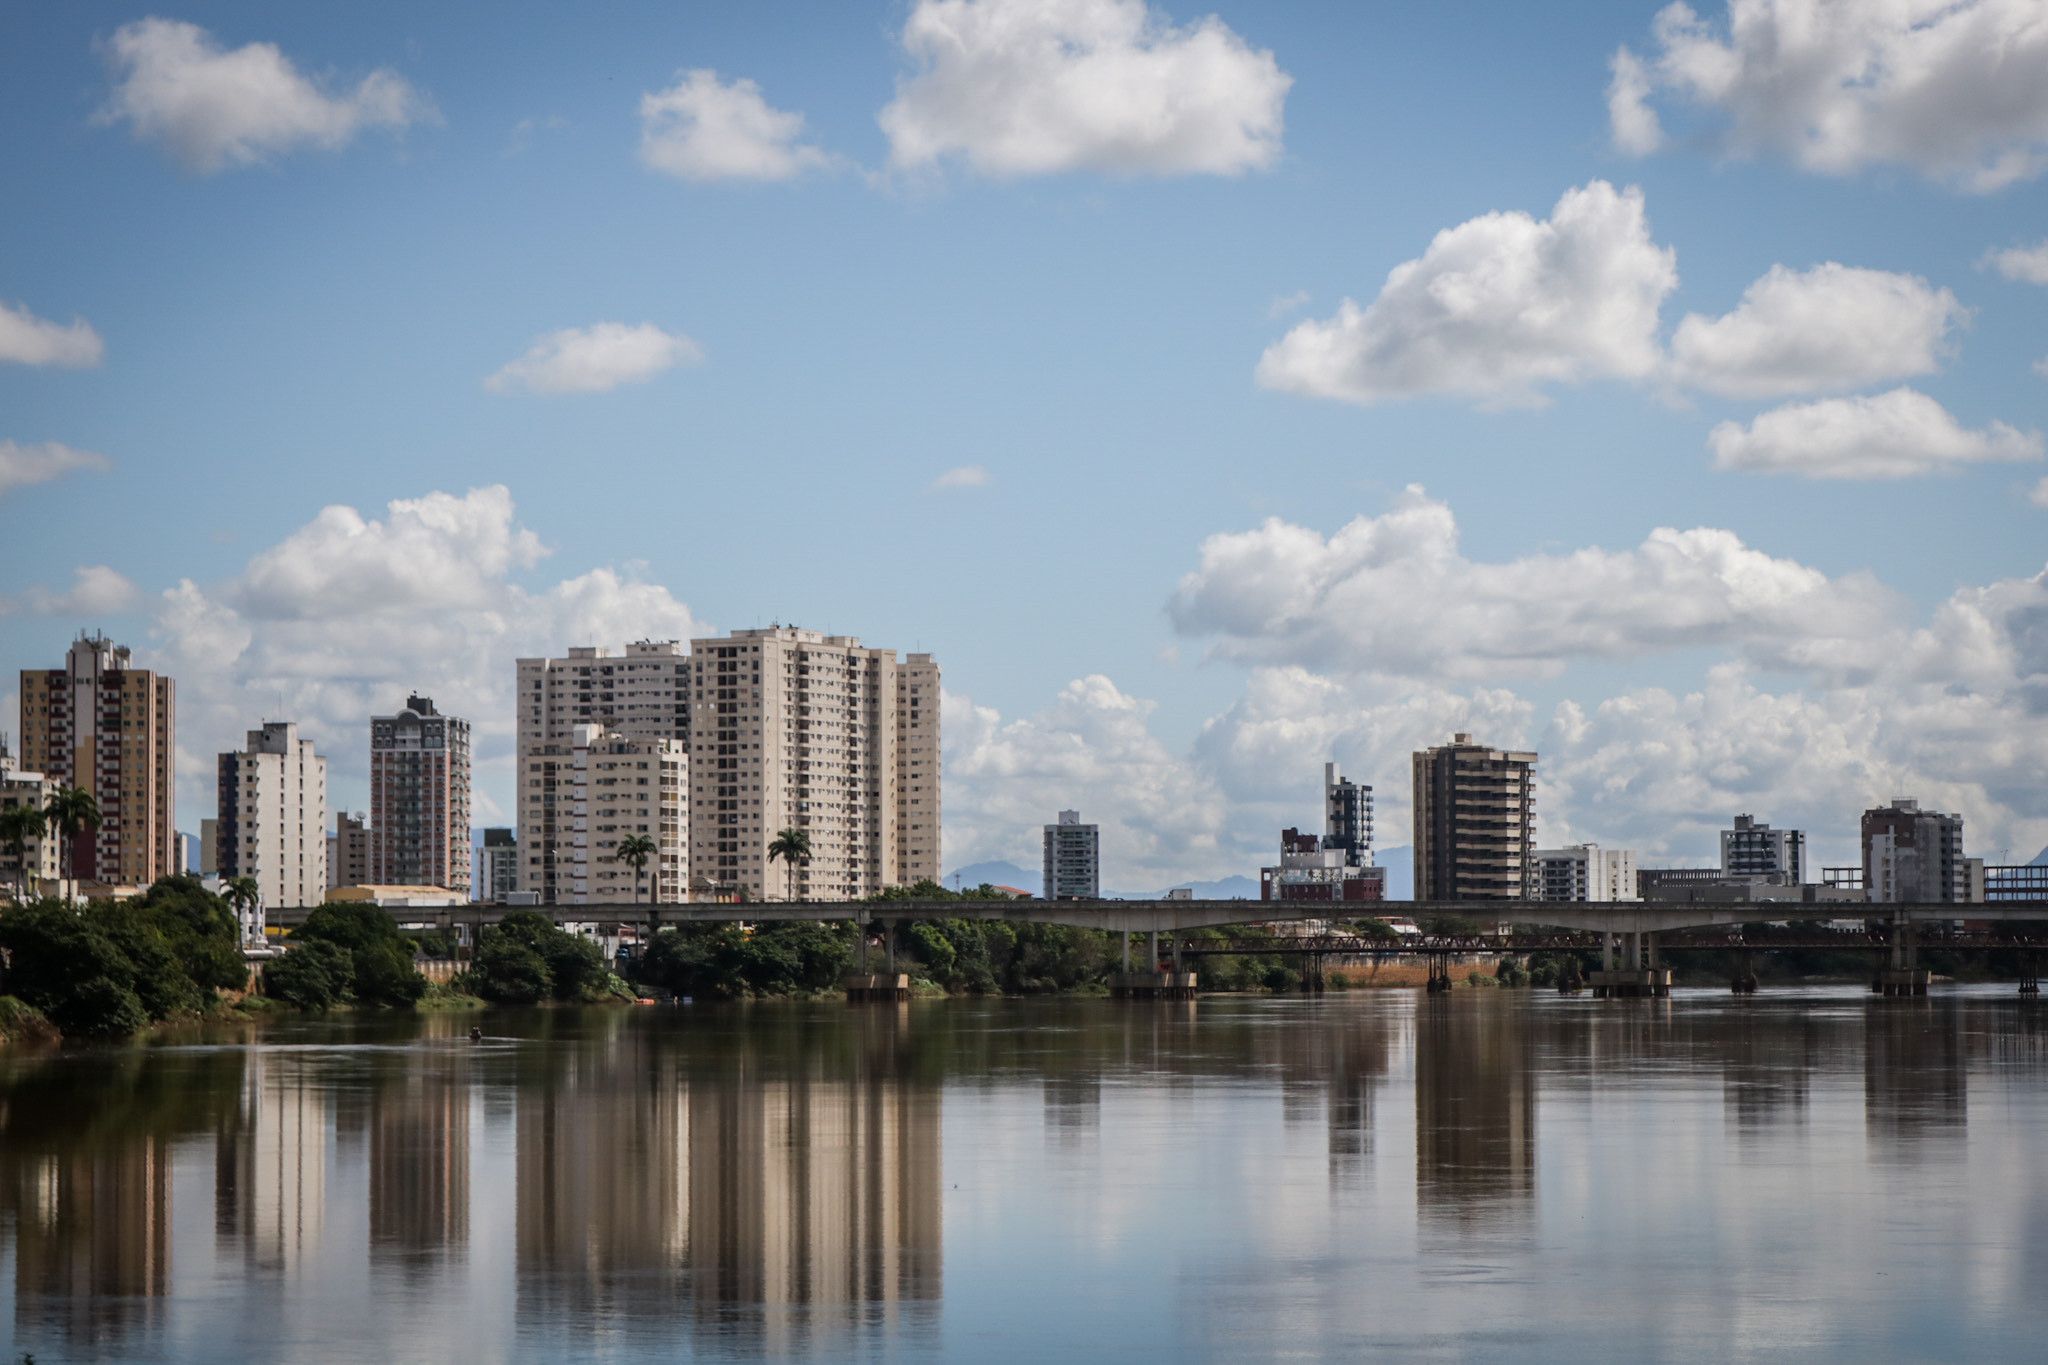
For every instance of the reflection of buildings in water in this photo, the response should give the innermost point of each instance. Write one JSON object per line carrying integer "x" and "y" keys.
{"x": 270, "y": 1165}
{"x": 732, "y": 1191}
{"x": 1475, "y": 1114}
{"x": 91, "y": 1238}
{"x": 1915, "y": 1076}
{"x": 1073, "y": 1109}
{"x": 1767, "y": 1063}
{"x": 419, "y": 1159}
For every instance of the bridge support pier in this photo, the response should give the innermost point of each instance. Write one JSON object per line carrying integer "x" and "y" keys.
{"x": 2030, "y": 976}
{"x": 1127, "y": 950}
{"x": 1744, "y": 981}
{"x": 1153, "y": 985}
{"x": 1904, "y": 976}
{"x": 1439, "y": 973}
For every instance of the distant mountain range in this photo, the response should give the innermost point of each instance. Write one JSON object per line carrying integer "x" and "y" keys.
{"x": 1399, "y": 863}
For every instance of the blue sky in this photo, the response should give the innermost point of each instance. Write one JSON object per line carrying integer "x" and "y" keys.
{"x": 299, "y": 264}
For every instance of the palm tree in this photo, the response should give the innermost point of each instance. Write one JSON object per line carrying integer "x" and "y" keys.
{"x": 635, "y": 850}
{"x": 244, "y": 895}
{"x": 18, "y": 825}
{"x": 793, "y": 846}
{"x": 73, "y": 811}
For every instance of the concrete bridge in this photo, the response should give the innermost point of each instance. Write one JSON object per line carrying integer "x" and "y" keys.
{"x": 1171, "y": 917}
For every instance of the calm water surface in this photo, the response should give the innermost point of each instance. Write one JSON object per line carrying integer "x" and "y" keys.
{"x": 1491, "y": 1175}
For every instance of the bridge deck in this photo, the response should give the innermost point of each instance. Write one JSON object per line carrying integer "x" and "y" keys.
{"x": 1168, "y": 917}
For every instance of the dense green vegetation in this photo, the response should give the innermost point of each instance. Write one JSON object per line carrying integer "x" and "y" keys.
{"x": 107, "y": 969}
{"x": 345, "y": 953}
{"x": 524, "y": 959}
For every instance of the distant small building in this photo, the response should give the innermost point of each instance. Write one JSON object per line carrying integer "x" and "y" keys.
{"x": 1753, "y": 849}
{"x": 1073, "y": 859}
{"x": 398, "y": 897}
{"x": 1584, "y": 872}
{"x": 348, "y": 850}
{"x": 497, "y": 865}
{"x": 1309, "y": 871}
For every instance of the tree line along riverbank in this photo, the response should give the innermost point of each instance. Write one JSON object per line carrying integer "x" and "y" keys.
{"x": 109, "y": 969}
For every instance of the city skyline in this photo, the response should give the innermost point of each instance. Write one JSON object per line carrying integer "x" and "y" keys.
{"x": 1752, "y": 524}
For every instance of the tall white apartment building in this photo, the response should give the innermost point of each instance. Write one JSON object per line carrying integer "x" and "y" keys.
{"x": 1584, "y": 872}
{"x": 271, "y": 816}
{"x": 1754, "y": 849}
{"x": 609, "y": 788}
{"x": 1073, "y": 860}
{"x": 794, "y": 729}
{"x": 642, "y": 694}
{"x": 38, "y": 861}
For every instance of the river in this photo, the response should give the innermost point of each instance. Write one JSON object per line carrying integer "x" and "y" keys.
{"x": 1490, "y": 1175}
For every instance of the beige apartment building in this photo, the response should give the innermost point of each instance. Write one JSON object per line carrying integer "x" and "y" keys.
{"x": 640, "y": 695}
{"x": 791, "y": 728}
{"x": 100, "y": 724}
{"x": 1475, "y": 822}
{"x": 271, "y": 820}
{"x": 609, "y": 788}
{"x": 348, "y": 850}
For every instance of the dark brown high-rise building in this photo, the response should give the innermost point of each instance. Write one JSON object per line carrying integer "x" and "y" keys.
{"x": 419, "y": 798}
{"x": 1475, "y": 822}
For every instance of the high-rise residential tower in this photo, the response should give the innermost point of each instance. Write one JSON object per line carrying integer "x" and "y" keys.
{"x": 609, "y": 788}
{"x": 1347, "y": 822}
{"x": 793, "y": 729}
{"x": 271, "y": 822}
{"x": 419, "y": 798}
{"x": 1475, "y": 822}
{"x": 1911, "y": 854}
{"x": 110, "y": 728}
{"x": 641, "y": 695}
{"x": 1073, "y": 860}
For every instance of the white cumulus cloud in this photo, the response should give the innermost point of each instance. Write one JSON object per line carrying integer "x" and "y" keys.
{"x": 26, "y": 339}
{"x": 1393, "y": 596}
{"x": 2039, "y": 497}
{"x": 96, "y": 590}
{"x": 1496, "y": 308}
{"x": 1634, "y": 123}
{"x": 595, "y": 359}
{"x": 348, "y": 613}
{"x": 1091, "y": 749}
{"x": 1891, "y": 435}
{"x": 175, "y": 86}
{"x": 966, "y": 476}
{"x": 1040, "y": 87}
{"x": 1831, "y": 327}
{"x": 23, "y": 465}
{"x": 2028, "y": 263}
{"x": 1956, "y": 89}
{"x": 704, "y": 129}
